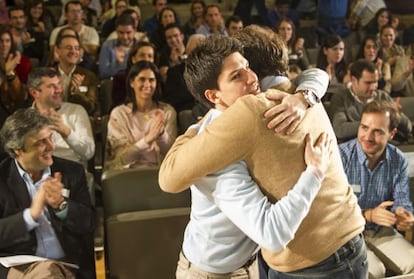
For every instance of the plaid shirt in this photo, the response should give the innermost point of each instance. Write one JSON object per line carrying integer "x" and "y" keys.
{"x": 388, "y": 181}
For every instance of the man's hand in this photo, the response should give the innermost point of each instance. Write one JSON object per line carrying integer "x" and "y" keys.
{"x": 405, "y": 219}
{"x": 57, "y": 123}
{"x": 288, "y": 114}
{"x": 53, "y": 190}
{"x": 76, "y": 81}
{"x": 318, "y": 154}
{"x": 380, "y": 215}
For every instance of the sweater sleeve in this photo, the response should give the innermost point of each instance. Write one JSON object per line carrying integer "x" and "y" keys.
{"x": 314, "y": 79}
{"x": 225, "y": 141}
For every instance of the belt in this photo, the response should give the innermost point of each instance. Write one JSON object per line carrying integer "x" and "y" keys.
{"x": 347, "y": 248}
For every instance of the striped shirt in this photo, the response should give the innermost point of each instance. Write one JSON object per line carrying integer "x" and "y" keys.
{"x": 388, "y": 181}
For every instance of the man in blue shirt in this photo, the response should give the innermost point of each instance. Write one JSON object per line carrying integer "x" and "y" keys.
{"x": 378, "y": 173}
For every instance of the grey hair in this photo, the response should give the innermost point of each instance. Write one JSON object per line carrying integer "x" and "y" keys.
{"x": 18, "y": 126}
{"x": 36, "y": 74}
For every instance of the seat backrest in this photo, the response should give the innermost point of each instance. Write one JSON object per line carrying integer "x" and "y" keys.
{"x": 105, "y": 96}
{"x": 146, "y": 244}
{"x": 135, "y": 190}
{"x": 312, "y": 54}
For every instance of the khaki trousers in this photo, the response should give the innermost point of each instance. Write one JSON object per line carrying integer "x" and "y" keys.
{"x": 388, "y": 249}
{"x": 186, "y": 270}
{"x": 40, "y": 270}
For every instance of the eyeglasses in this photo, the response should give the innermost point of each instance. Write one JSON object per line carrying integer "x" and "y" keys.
{"x": 70, "y": 48}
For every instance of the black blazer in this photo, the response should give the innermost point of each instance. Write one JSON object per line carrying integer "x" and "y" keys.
{"x": 75, "y": 233}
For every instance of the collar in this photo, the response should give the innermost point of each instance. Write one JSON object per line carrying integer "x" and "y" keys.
{"x": 271, "y": 81}
{"x": 358, "y": 100}
{"x": 62, "y": 73}
{"x": 26, "y": 177}
{"x": 363, "y": 159}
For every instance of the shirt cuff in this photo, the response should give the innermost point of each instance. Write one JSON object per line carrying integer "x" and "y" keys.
{"x": 62, "y": 214}
{"x": 30, "y": 223}
{"x": 315, "y": 172}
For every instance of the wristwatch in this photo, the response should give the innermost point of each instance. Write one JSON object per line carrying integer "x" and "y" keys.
{"x": 62, "y": 206}
{"x": 309, "y": 96}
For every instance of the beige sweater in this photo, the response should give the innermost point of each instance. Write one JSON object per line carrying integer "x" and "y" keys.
{"x": 275, "y": 162}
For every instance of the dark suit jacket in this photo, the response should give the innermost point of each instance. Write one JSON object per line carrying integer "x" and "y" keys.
{"x": 75, "y": 233}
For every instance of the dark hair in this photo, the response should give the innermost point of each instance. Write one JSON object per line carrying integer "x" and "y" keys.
{"x": 15, "y": 8}
{"x": 361, "y": 53}
{"x": 133, "y": 73}
{"x": 31, "y": 4}
{"x": 204, "y": 65}
{"x": 361, "y": 65}
{"x": 230, "y": 19}
{"x": 131, "y": 11}
{"x": 265, "y": 50}
{"x": 329, "y": 41}
{"x": 292, "y": 41}
{"x": 18, "y": 126}
{"x": 124, "y": 19}
{"x": 5, "y": 29}
{"x": 372, "y": 26}
{"x": 193, "y": 19}
{"x": 211, "y": 6}
{"x": 72, "y": 2}
{"x": 171, "y": 26}
{"x": 134, "y": 49}
{"x": 382, "y": 106}
{"x": 163, "y": 11}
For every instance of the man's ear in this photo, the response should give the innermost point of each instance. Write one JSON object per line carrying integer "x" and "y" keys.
{"x": 393, "y": 133}
{"x": 33, "y": 92}
{"x": 211, "y": 95}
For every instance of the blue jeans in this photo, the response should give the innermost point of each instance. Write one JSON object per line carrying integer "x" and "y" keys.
{"x": 348, "y": 262}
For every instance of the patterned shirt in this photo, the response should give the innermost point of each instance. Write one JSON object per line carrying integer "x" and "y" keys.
{"x": 388, "y": 181}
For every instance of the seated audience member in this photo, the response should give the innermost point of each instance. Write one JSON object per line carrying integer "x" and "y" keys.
{"x": 174, "y": 51}
{"x": 152, "y": 23}
{"x": 45, "y": 209}
{"x": 4, "y": 15}
{"x": 17, "y": 64}
{"x": 363, "y": 11}
{"x": 244, "y": 10}
{"x": 166, "y": 17}
{"x": 88, "y": 35}
{"x": 141, "y": 131}
{"x": 80, "y": 85}
{"x": 382, "y": 18}
{"x": 391, "y": 51}
{"x": 331, "y": 59}
{"x": 113, "y": 55}
{"x": 280, "y": 10}
{"x": 139, "y": 36}
{"x": 13, "y": 70}
{"x": 141, "y": 51}
{"x": 108, "y": 26}
{"x": 233, "y": 25}
{"x": 347, "y": 104}
{"x": 70, "y": 124}
{"x": 371, "y": 50}
{"x": 176, "y": 92}
{"x": 196, "y": 19}
{"x": 214, "y": 22}
{"x": 402, "y": 77}
{"x": 39, "y": 19}
{"x": 226, "y": 135}
{"x": 89, "y": 15}
{"x": 378, "y": 173}
{"x": 27, "y": 42}
{"x": 286, "y": 29}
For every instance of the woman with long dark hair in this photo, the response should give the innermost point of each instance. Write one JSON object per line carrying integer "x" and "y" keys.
{"x": 141, "y": 131}
{"x": 331, "y": 58}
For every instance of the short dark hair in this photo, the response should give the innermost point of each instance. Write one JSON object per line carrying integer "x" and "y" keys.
{"x": 72, "y": 2}
{"x": 15, "y": 8}
{"x": 18, "y": 126}
{"x": 265, "y": 50}
{"x": 124, "y": 19}
{"x": 59, "y": 39}
{"x": 204, "y": 65}
{"x": 171, "y": 26}
{"x": 361, "y": 65}
{"x": 383, "y": 106}
{"x": 132, "y": 74}
{"x": 230, "y": 19}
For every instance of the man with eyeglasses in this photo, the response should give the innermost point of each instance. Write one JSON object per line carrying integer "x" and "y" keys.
{"x": 79, "y": 84}
{"x": 88, "y": 35}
